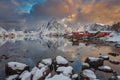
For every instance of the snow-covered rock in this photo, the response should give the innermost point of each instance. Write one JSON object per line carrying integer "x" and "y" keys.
{"x": 40, "y": 65}
{"x": 74, "y": 76}
{"x": 94, "y": 62}
{"x": 115, "y": 78}
{"x": 85, "y": 66}
{"x": 59, "y": 77}
{"x": 105, "y": 68}
{"x": 89, "y": 73}
{"x": 65, "y": 70}
{"x": 104, "y": 57}
{"x": 114, "y": 61}
{"x": 47, "y": 61}
{"x": 41, "y": 73}
{"x": 26, "y": 75}
{"x": 15, "y": 68}
{"x": 113, "y": 54}
{"x": 61, "y": 60}
{"x": 12, "y": 77}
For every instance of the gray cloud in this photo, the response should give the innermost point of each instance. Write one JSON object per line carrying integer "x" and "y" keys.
{"x": 84, "y": 11}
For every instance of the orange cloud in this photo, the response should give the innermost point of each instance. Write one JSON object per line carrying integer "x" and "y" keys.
{"x": 99, "y": 11}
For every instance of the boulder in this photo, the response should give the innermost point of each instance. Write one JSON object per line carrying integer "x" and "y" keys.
{"x": 45, "y": 62}
{"x": 85, "y": 66}
{"x": 59, "y": 77}
{"x": 114, "y": 61}
{"x": 68, "y": 71}
{"x": 113, "y": 54}
{"x": 75, "y": 76}
{"x": 40, "y": 74}
{"x": 94, "y": 62}
{"x": 105, "y": 69}
{"x": 115, "y": 78}
{"x": 104, "y": 57}
{"x": 12, "y": 77}
{"x": 88, "y": 74}
{"x": 12, "y": 68}
{"x": 60, "y": 61}
{"x": 26, "y": 75}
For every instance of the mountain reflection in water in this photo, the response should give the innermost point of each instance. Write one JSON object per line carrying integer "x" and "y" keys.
{"x": 32, "y": 50}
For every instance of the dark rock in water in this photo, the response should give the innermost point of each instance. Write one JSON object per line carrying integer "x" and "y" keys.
{"x": 100, "y": 54}
{"x": 115, "y": 78}
{"x": 105, "y": 69}
{"x": 85, "y": 66}
{"x": 12, "y": 68}
{"x": 94, "y": 62}
{"x": 4, "y": 57}
{"x": 114, "y": 62}
{"x": 113, "y": 54}
{"x": 104, "y": 57}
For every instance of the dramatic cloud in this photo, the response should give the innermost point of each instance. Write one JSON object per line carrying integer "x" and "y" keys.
{"x": 83, "y": 11}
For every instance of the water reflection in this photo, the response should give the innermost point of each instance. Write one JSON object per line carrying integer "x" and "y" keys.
{"x": 30, "y": 50}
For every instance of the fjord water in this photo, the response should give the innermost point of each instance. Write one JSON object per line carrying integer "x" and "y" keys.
{"x": 30, "y": 51}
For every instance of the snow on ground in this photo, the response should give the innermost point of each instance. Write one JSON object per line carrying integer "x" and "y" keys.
{"x": 61, "y": 60}
{"x": 114, "y": 37}
{"x": 66, "y": 70}
{"x": 59, "y": 77}
{"x": 16, "y": 65}
{"x": 89, "y": 73}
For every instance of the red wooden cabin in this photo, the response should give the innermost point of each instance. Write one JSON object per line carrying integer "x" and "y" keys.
{"x": 103, "y": 33}
{"x": 78, "y": 34}
{"x": 90, "y": 33}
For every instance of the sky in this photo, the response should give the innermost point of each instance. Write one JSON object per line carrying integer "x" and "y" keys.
{"x": 31, "y": 13}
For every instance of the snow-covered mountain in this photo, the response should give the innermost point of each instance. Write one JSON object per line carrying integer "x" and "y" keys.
{"x": 53, "y": 27}
{"x": 97, "y": 27}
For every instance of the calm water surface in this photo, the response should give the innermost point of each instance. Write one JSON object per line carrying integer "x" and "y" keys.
{"x": 30, "y": 51}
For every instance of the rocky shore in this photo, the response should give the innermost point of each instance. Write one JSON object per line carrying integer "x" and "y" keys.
{"x": 60, "y": 68}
